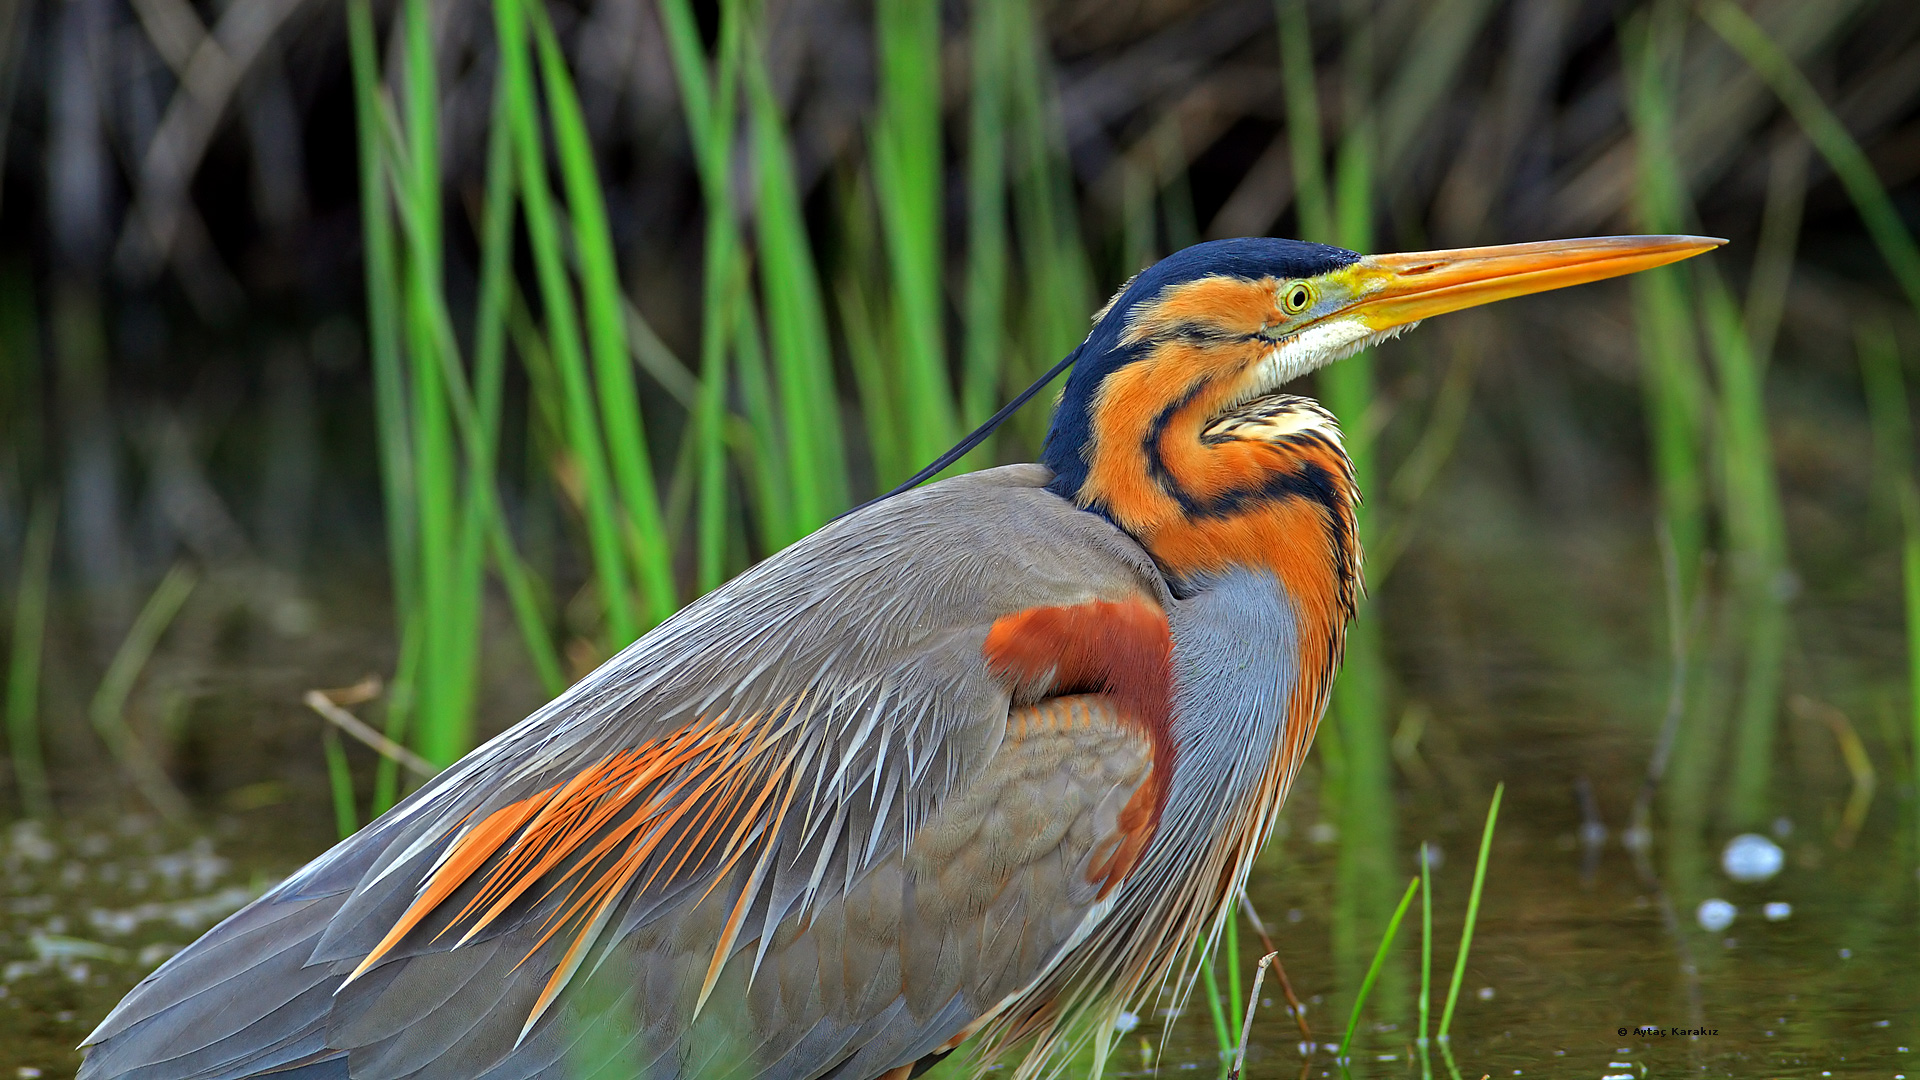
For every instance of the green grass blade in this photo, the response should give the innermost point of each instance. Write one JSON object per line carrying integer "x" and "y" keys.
{"x": 604, "y": 304}
{"x": 710, "y": 107}
{"x": 873, "y": 378}
{"x": 796, "y": 316}
{"x": 599, "y": 505}
{"x": 1828, "y": 136}
{"x": 451, "y": 579}
{"x": 1303, "y": 120}
{"x": 1678, "y": 400}
{"x": 1426, "y": 948}
{"x": 23, "y": 666}
{"x": 1887, "y": 415}
{"x": 1216, "y": 1008}
{"x": 1373, "y": 969}
{"x": 1057, "y": 280}
{"x": 340, "y": 783}
{"x": 107, "y": 711}
{"x": 1756, "y": 537}
{"x": 907, "y": 165}
{"x": 1910, "y": 571}
{"x": 399, "y": 719}
{"x": 987, "y": 255}
{"x": 383, "y": 334}
{"x": 1473, "y": 914}
{"x": 761, "y": 465}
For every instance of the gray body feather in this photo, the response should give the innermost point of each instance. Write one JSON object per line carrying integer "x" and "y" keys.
{"x": 932, "y": 867}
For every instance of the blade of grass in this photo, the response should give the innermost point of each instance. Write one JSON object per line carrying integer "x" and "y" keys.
{"x": 1910, "y": 575}
{"x": 1057, "y": 284}
{"x": 1829, "y": 136}
{"x": 600, "y": 506}
{"x": 1303, "y": 119}
{"x": 1756, "y": 537}
{"x": 1426, "y": 949}
{"x": 340, "y": 783}
{"x": 386, "y": 775}
{"x": 1216, "y": 1008}
{"x": 768, "y": 490}
{"x": 450, "y": 578}
{"x": 606, "y": 326}
{"x": 987, "y": 255}
{"x": 108, "y": 708}
{"x": 481, "y": 430}
{"x": 796, "y": 316}
{"x": 383, "y": 335}
{"x": 710, "y": 107}
{"x": 1887, "y": 414}
{"x": 1473, "y": 916}
{"x": 907, "y": 164}
{"x": 23, "y": 666}
{"x": 1373, "y": 969}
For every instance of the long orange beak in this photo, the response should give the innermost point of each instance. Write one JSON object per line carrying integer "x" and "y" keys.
{"x": 1394, "y": 290}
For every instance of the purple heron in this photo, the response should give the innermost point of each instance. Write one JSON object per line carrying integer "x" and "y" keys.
{"x": 987, "y": 756}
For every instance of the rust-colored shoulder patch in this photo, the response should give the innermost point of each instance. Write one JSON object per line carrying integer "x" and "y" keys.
{"x": 1122, "y": 649}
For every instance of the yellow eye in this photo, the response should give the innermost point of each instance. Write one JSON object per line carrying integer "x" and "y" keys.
{"x": 1297, "y": 298}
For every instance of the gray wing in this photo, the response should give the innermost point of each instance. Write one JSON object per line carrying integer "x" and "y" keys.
{"x": 719, "y": 853}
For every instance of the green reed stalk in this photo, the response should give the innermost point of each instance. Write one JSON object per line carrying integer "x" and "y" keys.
{"x": 340, "y": 783}
{"x": 907, "y": 165}
{"x": 1910, "y": 573}
{"x": 107, "y": 711}
{"x": 1373, "y": 969}
{"x": 1756, "y": 533}
{"x": 709, "y": 102}
{"x": 1829, "y": 136}
{"x": 451, "y": 562}
{"x": 865, "y": 332}
{"x": 1057, "y": 284}
{"x": 1216, "y": 1008}
{"x": 796, "y": 314}
{"x": 1473, "y": 914}
{"x": 1302, "y": 98}
{"x": 1426, "y": 941}
{"x": 481, "y": 425}
{"x": 606, "y": 324}
{"x": 23, "y": 666}
{"x": 1234, "y": 1000}
{"x": 1886, "y": 393}
{"x": 586, "y": 443}
{"x": 1887, "y": 414}
{"x": 757, "y": 443}
{"x": 985, "y": 339}
{"x": 383, "y": 290}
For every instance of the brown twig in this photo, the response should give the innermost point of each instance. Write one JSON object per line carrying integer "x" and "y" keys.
{"x": 1253, "y": 1002}
{"x": 319, "y": 702}
{"x": 1286, "y": 985}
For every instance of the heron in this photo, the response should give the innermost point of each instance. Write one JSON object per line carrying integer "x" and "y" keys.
{"x": 988, "y": 758}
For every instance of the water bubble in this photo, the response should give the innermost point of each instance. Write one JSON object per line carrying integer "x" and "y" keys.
{"x": 1714, "y": 915}
{"x": 1783, "y": 827}
{"x": 1486, "y": 993}
{"x": 1126, "y": 1022}
{"x": 1778, "y": 910}
{"x": 1846, "y": 954}
{"x": 1751, "y": 857}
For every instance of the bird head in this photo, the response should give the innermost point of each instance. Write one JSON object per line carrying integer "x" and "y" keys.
{"x": 1173, "y": 417}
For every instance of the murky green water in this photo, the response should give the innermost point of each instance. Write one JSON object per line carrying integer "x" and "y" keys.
{"x": 1575, "y": 945}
